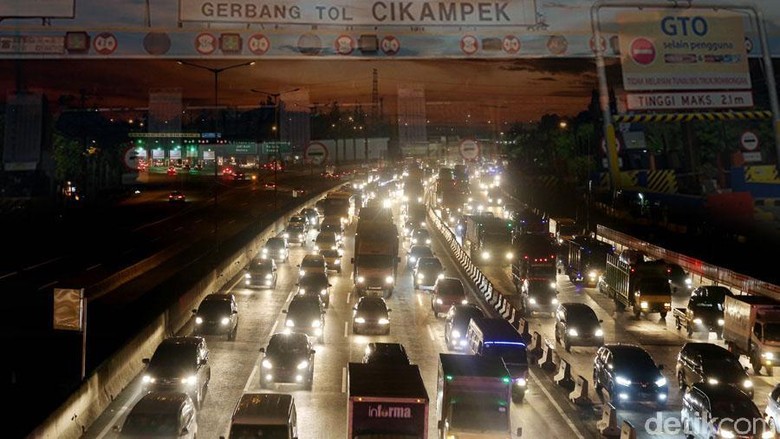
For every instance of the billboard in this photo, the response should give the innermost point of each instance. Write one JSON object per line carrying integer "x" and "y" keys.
{"x": 38, "y": 8}
{"x": 683, "y": 50}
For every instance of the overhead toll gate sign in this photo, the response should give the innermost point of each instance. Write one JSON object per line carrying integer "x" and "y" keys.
{"x": 361, "y": 12}
{"x": 683, "y": 50}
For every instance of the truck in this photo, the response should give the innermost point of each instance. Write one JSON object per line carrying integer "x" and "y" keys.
{"x": 496, "y": 337}
{"x": 488, "y": 239}
{"x": 586, "y": 259}
{"x": 473, "y": 397}
{"x": 751, "y": 327}
{"x": 386, "y": 400}
{"x": 643, "y": 286}
{"x": 563, "y": 228}
{"x": 534, "y": 257}
{"x": 701, "y": 314}
{"x": 375, "y": 258}
{"x": 338, "y": 203}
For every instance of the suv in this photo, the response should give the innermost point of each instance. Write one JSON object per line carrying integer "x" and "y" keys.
{"x": 456, "y": 324}
{"x": 420, "y": 236}
{"x": 386, "y": 353}
{"x": 275, "y": 248}
{"x": 260, "y": 273}
{"x": 628, "y": 373}
{"x": 371, "y": 314}
{"x": 312, "y": 264}
{"x": 446, "y": 293}
{"x": 295, "y": 233}
{"x": 217, "y": 314}
{"x": 576, "y": 324}
{"x": 315, "y": 284}
{"x": 288, "y": 358}
{"x": 416, "y": 252}
{"x": 710, "y": 411}
{"x": 179, "y": 364}
{"x": 306, "y": 314}
{"x": 299, "y": 220}
{"x": 427, "y": 271}
{"x": 710, "y": 363}
{"x": 161, "y": 415}
{"x": 312, "y": 217}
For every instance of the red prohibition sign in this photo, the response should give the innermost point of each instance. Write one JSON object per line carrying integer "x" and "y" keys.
{"x": 345, "y": 44}
{"x": 511, "y": 44}
{"x": 205, "y": 43}
{"x": 642, "y": 51}
{"x": 390, "y": 45}
{"x": 105, "y": 43}
{"x": 469, "y": 44}
{"x": 259, "y": 44}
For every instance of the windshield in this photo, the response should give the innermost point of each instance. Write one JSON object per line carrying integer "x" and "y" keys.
{"x": 734, "y": 408}
{"x": 706, "y": 304}
{"x": 426, "y": 263}
{"x": 772, "y": 332}
{"x": 634, "y": 360}
{"x": 311, "y": 281}
{"x": 287, "y": 344}
{"x": 511, "y": 353}
{"x": 546, "y": 271}
{"x": 480, "y": 414}
{"x": 375, "y": 261}
{"x": 170, "y": 355}
{"x": 303, "y": 307}
{"x": 214, "y": 308}
{"x": 721, "y": 364}
{"x": 568, "y": 230}
{"x": 371, "y": 306}
{"x": 420, "y": 251}
{"x": 259, "y": 432}
{"x": 450, "y": 288}
{"x": 275, "y": 244}
{"x": 152, "y": 424}
{"x": 654, "y": 286}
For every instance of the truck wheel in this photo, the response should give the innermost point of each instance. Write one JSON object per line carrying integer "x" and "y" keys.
{"x": 637, "y": 313}
{"x": 770, "y": 370}
{"x": 663, "y": 314}
{"x": 755, "y": 362}
{"x": 518, "y": 396}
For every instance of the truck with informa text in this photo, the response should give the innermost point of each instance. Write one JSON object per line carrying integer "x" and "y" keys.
{"x": 375, "y": 258}
{"x": 488, "y": 239}
{"x": 642, "y": 286}
{"x": 386, "y": 401}
{"x": 751, "y": 327}
{"x": 473, "y": 397}
{"x": 586, "y": 259}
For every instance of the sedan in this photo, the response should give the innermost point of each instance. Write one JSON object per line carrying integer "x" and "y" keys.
{"x": 306, "y": 314}
{"x": 576, "y": 324}
{"x": 288, "y": 358}
{"x": 386, "y": 353}
{"x": 260, "y": 273}
{"x": 421, "y": 236}
{"x": 161, "y": 415}
{"x": 276, "y": 248}
{"x": 179, "y": 364}
{"x": 628, "y": 373}
{"x": 217, "y": 314}
{"x": 315, "y": 284}
{"x": 416, "y": 252}
{"x": 371, "y": 314}
{"x": 295, "y": 233}
{"x": 176, "y": 197}
{"x": 456, "y": 325}
{"x": 446, "y": 293}
{"x": 427, "y": 271}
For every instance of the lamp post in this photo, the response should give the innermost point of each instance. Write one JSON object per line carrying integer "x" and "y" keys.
{"x": 216, "y": 71}
{"x": 277, "y": 133}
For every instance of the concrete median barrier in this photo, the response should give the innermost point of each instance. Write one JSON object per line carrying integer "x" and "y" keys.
{"x": 522, "y": 327}
{"x": 547, "y": 361}
{"x": 627, "y": 431}
{"x": 607, "y": 425}
{"x": 535, "y": 349}
{"x": 579, "y": 396}
{"x": 563, "y": 376}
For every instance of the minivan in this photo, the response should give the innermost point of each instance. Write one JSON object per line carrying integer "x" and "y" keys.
{"x": 161, "y": 415}
{"x": 259, "y": 415}
{"x": 496, "y": 337}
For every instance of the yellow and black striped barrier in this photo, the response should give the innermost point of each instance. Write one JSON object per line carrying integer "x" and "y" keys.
{"x": 687, "y": 117}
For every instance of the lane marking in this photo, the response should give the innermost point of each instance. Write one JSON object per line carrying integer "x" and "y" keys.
{"x": 231, "y": 221}
{"x": 93, "y": 267}
{"x": 346, "y": 329}
{"x": 8, "y": 275}
{"x": 430, "y": 332}
{"x": 32, "y": 267}
{"x": 349, "y": 296}
{"x": 251, "y": 378}
{"x": 197, "y": 221}
{"x": 178, "y": 228}
{"x": 419, "y": 300}
{"x": 558, "y": 408}
{"x": 47, "y": 285}
{"x": 343, "y": 380}
{"x": 155, "y": 239}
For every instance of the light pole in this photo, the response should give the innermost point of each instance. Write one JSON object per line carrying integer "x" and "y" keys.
{"x": 275, "y": 98}
{"x": 216, "y": 71}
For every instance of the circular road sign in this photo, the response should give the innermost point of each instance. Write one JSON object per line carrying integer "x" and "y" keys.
{"x": 205, "y": 43}
{"x": 469, "y": 44}
{"x": 642, "y": 51}
{"x": 469, "y": 149}
{"x": 748, "y": 141}
{"x": 316, "y": 153}
{"x": 105, "y": 43}
{"x": 390, "y": 45}
{"x": 618, "y": 147}
{"x": 130, "y": 158}
{"x": 259, "y": 44}
{"x": 511, "y": 44}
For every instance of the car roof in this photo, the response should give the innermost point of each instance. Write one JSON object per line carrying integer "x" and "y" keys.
{"x": 417, "y": 248}
{"x": 263, "y": 409}
{"x": 620, "y": 348}
{"x": 183, "y": 340}
{"x": 312, "y": 257}
{"x": 715, "y": 390}
{"x": 157, "y": 402}
{"x": 704, "y": 348}
{"x": 450, "y": 280}
{"x": 575, "y": 306}
{"x": 219, "y": 297}
{"x": 371, "y": 299}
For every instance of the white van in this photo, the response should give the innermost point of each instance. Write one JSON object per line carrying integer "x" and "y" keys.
{"x": 260, "y": 415}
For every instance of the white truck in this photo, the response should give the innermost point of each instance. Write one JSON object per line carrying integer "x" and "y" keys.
{"x": 751, "y": 327}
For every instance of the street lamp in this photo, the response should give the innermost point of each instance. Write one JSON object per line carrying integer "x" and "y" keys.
{"x": 216, "y": 71}
{"x": 277, "y": 132}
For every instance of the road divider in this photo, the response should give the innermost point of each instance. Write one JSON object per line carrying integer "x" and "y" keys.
{"x": 607, "y": 425}
{"x": 547, "y": 362}
{"x": 579, "y": 396}
{"x": 563, "y": 376}
{"x": 627, "y": 431}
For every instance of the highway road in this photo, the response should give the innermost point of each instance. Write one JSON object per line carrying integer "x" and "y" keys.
{"x": 322, "y": 411}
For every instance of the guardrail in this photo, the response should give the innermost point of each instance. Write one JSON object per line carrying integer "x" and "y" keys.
{"x": 85, "y": 405}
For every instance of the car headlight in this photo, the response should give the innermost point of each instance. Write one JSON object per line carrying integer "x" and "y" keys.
{"x": 303, "y": 364}
{"x": 509, "y": 255}
{"x": 593, "y": 275}
{"x": 464, "y": 302}
{"x": 190, "y": 380}
{"x": 440, "y": 276}
{"x": 439, "y": 302}
{"x": 688, "y": 281}
{"x": 384, "y": 321}
{"x": 660, "y": 382}
{"x": 360, "y": 279}
{"x": 269, "y": 276}
{"x": 532, "y": 301}
{"x": 599, "y": 333}
{"x": 725, "y": 434}
{"x": 622, "y": 381}
{"x": 420, "y": 276}
{"x": 225, "y": 321}
{"x": 427, "y": 241}
{"x": 286, "y": 235}
{"x": 697, "y": 321}
{"x": 553, "y": 285}
{"x": 198, "y": 320}
{"x": 485, "y": 255}
{"x": 712, "y": 381}
{"x": 301, "y": 291}
{"x": 520, "y": 382}
{"x": 333, "y": 247}
{"x": 265, "y": 251}
{"x": 360, "y": 320}
{"x": 768, "y": 355}
{"x": 721, "y": 322}
{"x": 289, "y": 323}
{"x": 301, "y": 273}
{"x": 412, "y": 259}
{"x": 554, "y": 301}
{"x": 267, "y": 364}
{"x": 643, "y": 305}
{"x": 323, "y": 292}
{"x": 148, "y": 379}
{"x": 247, "y": 276}
{"x": 455, "y": 333}
{"x": 389, "y": 280}
{"x": 316, "y": 324}
{"x": 747, "y": 384}
{"x": 414, "y": 240}
{"x": 316, "y": 248}
{"x": 573, "y": 332}
{"x": 338, "y": 262}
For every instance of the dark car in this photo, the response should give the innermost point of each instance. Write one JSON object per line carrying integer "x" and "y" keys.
{"x": 538, "y": 295}
{"x": 628, "y": 373}
{"x": 416, "y": 252}
{"x": 715, "y": 292}
{"x": 299, "y": 220}
{"x": 306, "y": 314}
{"x": 679, "y": 280}
{"x": 179, "y": 364}
{"x": 161, "y": 415}
{"x": 447, "y": 292}
{"x": 312, "y": 217}
{"x": 371, "y": 315}
{"x": 711, "y": 364}
{"x": 288, "y": 358}
{"x": 772, "y": 409}
{"x": 386, "y": 353}
{"x": 217, "y": 314}
{"x": 715, "y": 411}
{"x": 576, "y": 324}
{"x": 427, "y": 271}
{"x": 456, "y": 324}
{"x": 275, "y": 248}
{"x": 421, "y": 236}
{"x": 315, "y": 284}
{"x": 260, "y": 273}
{"x": 177, "y": 197}
{"x": 295, "y": 233}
